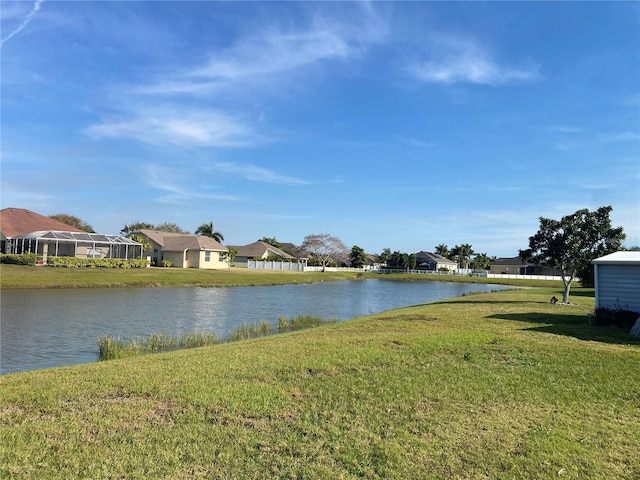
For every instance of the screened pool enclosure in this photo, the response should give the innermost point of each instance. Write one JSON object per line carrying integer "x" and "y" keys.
{"x": 75, "y": 244}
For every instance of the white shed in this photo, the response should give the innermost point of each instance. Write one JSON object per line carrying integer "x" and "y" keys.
{"x": 617, "y": 281}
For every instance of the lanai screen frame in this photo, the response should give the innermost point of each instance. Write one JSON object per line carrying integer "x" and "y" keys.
{"x": 34, "y": 243}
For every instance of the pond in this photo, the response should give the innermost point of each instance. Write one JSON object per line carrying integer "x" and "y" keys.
{"x": 44, "y": 328}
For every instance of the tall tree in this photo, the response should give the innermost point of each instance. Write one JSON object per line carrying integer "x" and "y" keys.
{"x": 384, "y": 256}
{"x": 135, "y": 226}
{"x": 325, "y": 248}
{"x": 170, "y": 227}
{"x": 73, "y": 221}
{"x": 411, "y": 261}
{"x": 358, "y": 257}
{"x": 462, "y": 253}
{"x": 271, "y": 241}
{"x": 206, "y": 229}
{"x": 161, "y": 227}
{"x": 443, "y": 250}
{"x": 482, "y": 261}
{"x": 572, "y": 242}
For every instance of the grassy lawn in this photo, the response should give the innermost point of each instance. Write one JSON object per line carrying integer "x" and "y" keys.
{"x": 19, "y": 276}
{"x": 499, "y": 385}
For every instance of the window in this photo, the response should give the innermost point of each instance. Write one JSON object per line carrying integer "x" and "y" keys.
{"x": 207, "y": 256}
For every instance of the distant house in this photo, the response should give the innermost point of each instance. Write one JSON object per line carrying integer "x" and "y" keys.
{"x": 617, "y": 281}
{"x": 184, "y": 250}
{"x": 516, "y": 266}
{"x": 259, "y": 251}
{"x": 24, "y": 231}
{"x": 435, "y": 262}
{"x": 511, "y": 266}
{"x": 294, "y": 250}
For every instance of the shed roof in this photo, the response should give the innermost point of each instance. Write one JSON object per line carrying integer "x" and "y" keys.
{"x": 619, "y": 258}
{"x": 19, "y": 221}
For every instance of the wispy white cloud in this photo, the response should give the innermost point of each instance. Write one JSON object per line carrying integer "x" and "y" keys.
{"x": 258, "y": 174}
{"x": 414, "y": 142}
{"x": 274, "y": 52}
{"x": 34, "y": 10}
{"x": 179, "y": 186}
{"x": 171, "y": 125}
{"x": 452, "y": 60}
{"x": 564, "y": 129}
{"x": 618, "y": 137}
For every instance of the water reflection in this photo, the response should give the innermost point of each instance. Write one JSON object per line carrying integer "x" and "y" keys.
{"x": 47, "y": 328}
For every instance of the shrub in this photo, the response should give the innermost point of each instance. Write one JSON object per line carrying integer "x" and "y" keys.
{"x": 74, "y": 262}
{"x": 15, "y": 259}
{"x": 608, "y": 317}
{"x": 167, "y": 263}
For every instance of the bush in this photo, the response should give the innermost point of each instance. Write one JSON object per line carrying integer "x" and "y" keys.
{"x": 15, "y": 259}
{"x": 73, "y": 262}
{"x": 608, "y": 317}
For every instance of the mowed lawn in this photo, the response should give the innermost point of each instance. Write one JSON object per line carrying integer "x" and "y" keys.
{"x": 487, "y": 386}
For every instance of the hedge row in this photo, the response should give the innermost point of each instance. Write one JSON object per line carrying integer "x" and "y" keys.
{"x": 73, "y": 262}
{"x": 14, "y": 259}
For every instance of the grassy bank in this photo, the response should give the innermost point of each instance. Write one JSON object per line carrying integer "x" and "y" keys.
{"x": 20, "y": 276}
{"x": 500, "y": 385}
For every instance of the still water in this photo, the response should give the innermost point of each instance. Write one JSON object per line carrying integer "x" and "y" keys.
{"x": 49, "y": 328}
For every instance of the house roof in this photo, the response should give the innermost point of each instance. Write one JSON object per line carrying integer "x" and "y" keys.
{"x": 422, "y": 257}
{"x": 258, "y": 249}
{"x": 19, "y": 221}
{"x": 294, "y": 250}
{"x": 510, "y": 261}
{"x": 174, "y": 242}
{"x": 619, "y": 258}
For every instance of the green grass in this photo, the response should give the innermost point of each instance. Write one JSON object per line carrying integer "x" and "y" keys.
{"x": 20, "y": 276}
{"x": 500, "y": 385}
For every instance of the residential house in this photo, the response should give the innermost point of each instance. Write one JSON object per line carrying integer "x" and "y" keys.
{"x": 517, "y": 266}
{"x": 183, "y": 250}
{"x": 435, "y": 262}
{"x": 24, "y": 231}
{"x": 259, "y": 251}
{"x": 293, "y": 250}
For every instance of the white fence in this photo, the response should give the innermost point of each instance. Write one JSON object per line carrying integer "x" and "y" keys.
{"x": 276, "y": 265}
{"x": 524, "y": 277}
{"x": 301, "y": 267}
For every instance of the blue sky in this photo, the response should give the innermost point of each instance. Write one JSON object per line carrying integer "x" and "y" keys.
{"x": 400, "y": 125}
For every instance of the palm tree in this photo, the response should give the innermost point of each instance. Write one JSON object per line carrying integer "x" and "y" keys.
{"x": 482, "y": 261}
{"x": 463, "y": 253}
{"x": 443, "y": 250}
{"x": 206, "y": 229}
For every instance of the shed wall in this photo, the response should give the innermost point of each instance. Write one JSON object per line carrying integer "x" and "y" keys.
{"x": 618, "y": 287}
